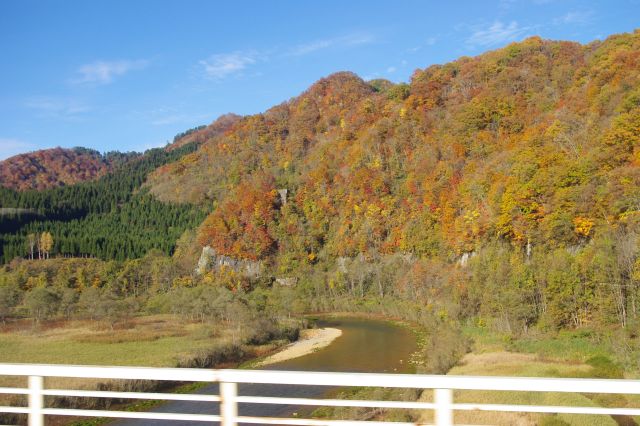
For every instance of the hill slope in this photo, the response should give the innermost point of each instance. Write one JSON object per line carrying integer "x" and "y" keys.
{"x": 536, "y": 144}
{"x": 202, "y": 133}
{"x": 109, "y": 218}
{"x": 50, "y": 168}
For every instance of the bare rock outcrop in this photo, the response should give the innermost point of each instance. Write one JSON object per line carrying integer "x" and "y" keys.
{"x": 210, "y": 260}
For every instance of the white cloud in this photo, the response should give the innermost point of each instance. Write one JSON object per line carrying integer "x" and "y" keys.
{"x": 57, "y": 107}
{"x": 104, "y": 72}
{"x": 10, "y": 147}
{"x": 506, "y": 4}
{"x": 391, "y": 70}
{"x": 496, "y": 33}
{"x": 304, "y": 49}
{"x": 430, "y": 41}
{"x": 356, "y": 39}
{"x": 575, "y": 17}
{"x": 167, "y": 115}
{"x": 222, "y": 65}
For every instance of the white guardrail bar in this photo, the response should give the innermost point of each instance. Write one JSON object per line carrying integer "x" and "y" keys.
{"x": 228, "y": 399}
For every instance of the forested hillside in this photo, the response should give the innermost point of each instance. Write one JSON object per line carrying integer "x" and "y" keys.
{"x": 110, "y": 218}
{"x": 202, "y": 133}
{"x": 532, "y": 143}
{"x": 50, "y": 168}
{"x": 523, "y": 160}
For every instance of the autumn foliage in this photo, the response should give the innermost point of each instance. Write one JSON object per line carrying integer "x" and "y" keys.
{"x": 536, "y": 143}
{"x": 240, "y": 226}
{"x": 502, "y": 188}
{"x": 50, "y": 168}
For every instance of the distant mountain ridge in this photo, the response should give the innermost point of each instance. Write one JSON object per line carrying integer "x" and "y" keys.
{"x": 49, "y": 168}
{"x": 54, "y": 167}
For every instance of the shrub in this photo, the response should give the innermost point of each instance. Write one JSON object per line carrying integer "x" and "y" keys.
{"x": 604, "y": 368}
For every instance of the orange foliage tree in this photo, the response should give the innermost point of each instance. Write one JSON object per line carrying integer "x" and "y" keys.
{"x": 239, "y": 226}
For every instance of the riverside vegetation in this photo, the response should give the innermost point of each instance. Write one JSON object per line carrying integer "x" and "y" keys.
{"x": 199, "y": 327}
{"x": 491, "y": 196}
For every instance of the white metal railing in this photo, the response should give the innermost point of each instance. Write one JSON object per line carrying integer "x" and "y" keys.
{"x": 442, "y": 404}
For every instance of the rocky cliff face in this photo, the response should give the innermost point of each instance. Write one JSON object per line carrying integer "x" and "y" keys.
{"x": 210, "y": 260}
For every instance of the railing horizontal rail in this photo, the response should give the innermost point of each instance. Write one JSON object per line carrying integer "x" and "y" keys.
{"x": 229, "y": 399}
{"x": 279, "y": 421}
{"x": 132, "y": 414}
{"x": 423, "y": 381}
{"x": 336, "y": 402}
{"x": 15, "y": 391}
{"x": 415, "y": 381}
{"x": 555, "y": 409}
{"x": 103, "y": 372}
{"x": 17, "y": 410}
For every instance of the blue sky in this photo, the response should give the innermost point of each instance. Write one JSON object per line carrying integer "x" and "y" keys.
{"x": 129, "y": 75}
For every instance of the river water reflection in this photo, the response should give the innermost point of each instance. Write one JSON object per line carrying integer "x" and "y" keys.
{"x": 366, "y": 345}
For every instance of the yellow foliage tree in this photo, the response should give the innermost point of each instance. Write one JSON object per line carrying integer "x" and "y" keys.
{"x": 46, "y": 244}
{"x": 583, "y": 226}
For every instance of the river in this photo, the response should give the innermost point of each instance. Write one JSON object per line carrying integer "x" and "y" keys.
{"x": 365, "y": 345}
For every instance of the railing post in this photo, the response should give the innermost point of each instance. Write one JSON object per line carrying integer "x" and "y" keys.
{"x": 36, "y": 401}
{"x": 228, "y": 404}
{"x": 443, "y": 399}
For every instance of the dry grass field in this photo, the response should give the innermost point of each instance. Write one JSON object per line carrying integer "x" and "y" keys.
{"x": 159, "y": 341}
{"x": 494, "y": 355}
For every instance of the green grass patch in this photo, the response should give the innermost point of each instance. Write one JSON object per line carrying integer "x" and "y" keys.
{"x": 162, "y": 352}
{"x": 567, "y": 345}
{"x": 527, "y": 365}
{"x": 485, "y": 340}
{"x": 158, "y": 341}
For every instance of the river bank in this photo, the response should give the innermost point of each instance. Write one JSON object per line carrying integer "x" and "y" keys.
{"x": 310, "y": 340}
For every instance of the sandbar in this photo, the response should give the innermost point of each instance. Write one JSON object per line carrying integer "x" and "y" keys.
{"x": 310, "y": 341}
